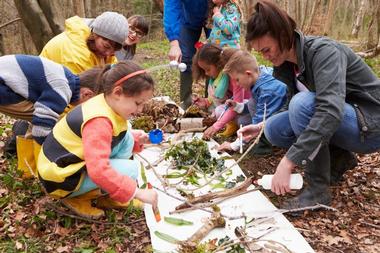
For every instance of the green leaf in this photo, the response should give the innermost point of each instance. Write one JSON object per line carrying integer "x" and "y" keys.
{"x": 177, "y": 221}
{"x": 174, "y": 175}
{"x": 143, "y": 175}
{"x": 166, "y": 237}
{"x": 218, "y": 186}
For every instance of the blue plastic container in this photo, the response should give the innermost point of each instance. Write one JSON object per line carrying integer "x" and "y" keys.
{"x": 155, "y": 136}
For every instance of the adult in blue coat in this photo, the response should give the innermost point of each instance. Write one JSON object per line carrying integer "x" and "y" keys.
{"x": 184, "y": 21}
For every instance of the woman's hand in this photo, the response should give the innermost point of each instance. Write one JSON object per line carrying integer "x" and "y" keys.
{"x": 210, "y": 132}
{"x": 249, "y": 131}
{"x": 149, "y": 196}
{"x": 281, "y": 179}
{"x": 226, "y": 146}
{"x": 175, "y": 53}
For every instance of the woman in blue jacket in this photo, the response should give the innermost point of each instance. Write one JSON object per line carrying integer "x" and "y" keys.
{"x": 184, "y": 21}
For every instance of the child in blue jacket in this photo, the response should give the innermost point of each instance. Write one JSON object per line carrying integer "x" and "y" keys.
{"x": 268, "y": 93}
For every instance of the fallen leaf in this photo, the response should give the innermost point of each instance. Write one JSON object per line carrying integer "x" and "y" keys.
{"x": 19, "y": 245}
{"x": 62, "y": 249}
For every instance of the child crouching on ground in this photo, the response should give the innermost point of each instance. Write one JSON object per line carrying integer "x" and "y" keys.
{"x": 266, "y": 91}
{"x": 88, "y": 152}
{"x": 38, "y": 90}
{"x": 209, "y": 62}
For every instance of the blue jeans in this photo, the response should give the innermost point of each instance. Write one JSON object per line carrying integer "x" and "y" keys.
{"x": 187, "y": 40}
{"x": 283, "y": 128}
{"x": 119, "y": 161}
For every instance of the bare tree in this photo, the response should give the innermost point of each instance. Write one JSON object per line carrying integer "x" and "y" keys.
{"x": 359, "y": 19}
{"x": 41, "y": 18}
{"x": 79, "y": 8}
{"x": 330, "y": 16}
{"x": 312, "y": 15}
{"x": 373, "y": 26}
{"x": 305, "y": 11}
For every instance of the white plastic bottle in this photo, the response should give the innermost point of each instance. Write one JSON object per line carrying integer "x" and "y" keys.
{"x": 296, "y": 181}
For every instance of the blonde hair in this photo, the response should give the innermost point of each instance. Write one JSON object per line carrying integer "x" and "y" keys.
{"x": 240, "y": 62}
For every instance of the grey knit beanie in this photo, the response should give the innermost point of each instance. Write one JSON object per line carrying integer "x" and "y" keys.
{"x": 111, "y": 25}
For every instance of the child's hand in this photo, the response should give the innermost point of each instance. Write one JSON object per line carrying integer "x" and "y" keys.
{"x": 230, "y": 103}
{"x": 210, "y": 132}
{"x": 149, "y": 196}
{"x": 249, "y": 132}
{"x": 216, "y": 11}
{"x": 226, "y": 146}
{"x": 200, "y": 102}
{"x": 140, "y": 135}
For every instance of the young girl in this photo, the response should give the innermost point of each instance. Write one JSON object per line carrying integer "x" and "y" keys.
{"x": 38, "y": 90}
{"x": 225, "y": 24}
{"x": 138, "y": 28}
{"x": 88, "y": 150}
{"x": 209, "y": 62}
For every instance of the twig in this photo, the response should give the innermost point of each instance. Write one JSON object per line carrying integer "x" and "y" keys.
{"x": 9, "y": 22}
{"x": 163, "y": 182}
{"x": 369, "y": 224}
{"x": 210, "y": 204}
{"x": 317, "y": 206}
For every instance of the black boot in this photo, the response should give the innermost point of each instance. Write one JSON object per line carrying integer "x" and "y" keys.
{"x": 317, "y": 177}
{"x": 262, "y": 148}
{"x": 186, "y": 81}
{"x": 20, "y": 127}
{"x": 341, "y": 160}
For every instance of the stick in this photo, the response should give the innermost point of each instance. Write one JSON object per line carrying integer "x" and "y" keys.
{"x": 221, "y": 194}
{"x": 163, "y": 182}
{"x": 241, "y": 141}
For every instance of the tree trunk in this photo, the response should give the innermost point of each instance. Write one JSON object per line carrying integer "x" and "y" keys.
{"x": 88, "y": 9}
{"x": 2, "y": 51}
{"x": 359, "y": 20}
{"x": 305, "y": 11}
{"x": 344, "y": 22}
{"x": 373, "y": 34}
{"x": 330, "y": 17}
{"x": 160, "y": 4}
{"x": 79, "y": 8}
{"x": 312, "y": 15}
{"x": 51, "y": 10}
{"x": 35, "y": 21}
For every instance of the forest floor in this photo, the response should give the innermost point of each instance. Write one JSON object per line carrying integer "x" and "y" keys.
{"x": 32, "y": 222}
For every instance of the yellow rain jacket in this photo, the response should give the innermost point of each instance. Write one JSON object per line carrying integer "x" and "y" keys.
{"x": 61, "y": 164}
{"x": 70, "y": 49}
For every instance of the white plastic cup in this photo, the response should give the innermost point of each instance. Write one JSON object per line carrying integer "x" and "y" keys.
{"x": 296, "y": 181}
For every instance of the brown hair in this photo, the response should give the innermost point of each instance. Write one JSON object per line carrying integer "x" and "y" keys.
{"x": 89, "y": 79}
{"x": 213, "y": 55}
{"x": 269, "y": 19}
{"x": 90, "y": 41}
{"x": 103, "y": 79}
{"x": 240, "y": 62}
{"x": 139, "y": 22}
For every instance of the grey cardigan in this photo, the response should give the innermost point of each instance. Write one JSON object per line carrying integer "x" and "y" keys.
{"x": 336, "y": 75}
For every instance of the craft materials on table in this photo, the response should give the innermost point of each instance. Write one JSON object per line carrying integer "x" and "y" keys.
{"x": 243, "y": 211}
